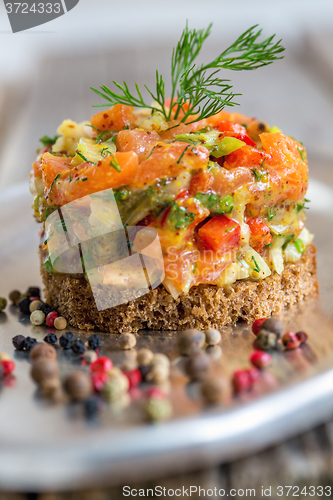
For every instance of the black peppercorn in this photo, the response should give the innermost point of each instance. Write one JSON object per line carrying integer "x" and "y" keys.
{"x": 66, "y": 340}
{"x": 29, "y": 342}
{"x": 78, "y": 347}
{"x": 33, "y": 291}
{"x": 18, "y": 342}
{"x": 24, "y": 305}
{"x": 94, "y": 341}
{"x": 91, "y": 407}
{"x": 51, "y": 338}
{"x": 45, "y": 308}
{"x": 144, "y": 370}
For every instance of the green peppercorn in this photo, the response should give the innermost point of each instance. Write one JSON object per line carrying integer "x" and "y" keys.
{"x": 157, "y": 409}
{"x": 37, "y": 318}
{"x": 15, "y": 296}
{"x": 266, "y": 340}
{"x": 158, "y": 374}
{"x": 3, "y": 303}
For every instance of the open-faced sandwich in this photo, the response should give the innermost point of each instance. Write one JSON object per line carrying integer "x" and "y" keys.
{"x": 225, "y": 194}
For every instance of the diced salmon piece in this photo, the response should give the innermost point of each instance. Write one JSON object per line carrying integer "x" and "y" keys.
{"x": 169, "y": 159}
{"x": 87, "y": 178}
{"x": 247, "y": 156}
{"x": 219, "y": 234}
{"x": 138, "y": 141}
{"x": 200, "y": 182}
{"x": 116, "y": 118}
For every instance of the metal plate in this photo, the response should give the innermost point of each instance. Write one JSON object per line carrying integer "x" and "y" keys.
{"x": 47, "y": 447}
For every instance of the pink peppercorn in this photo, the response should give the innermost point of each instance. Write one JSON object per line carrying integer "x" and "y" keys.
{"x": 134, "y": 377}
{"x": 302, "y": 337}
{"x": 8, "y": 366}
{"x": 99, "y": 379}
{"x": 155, "y": 392}
{"x": 102, "y": 364}
{"x": 253, "y": 374}
{"x": 256, "y": 325}
{"x": 34, "y": 298}
{"x": 50, "y": 318}
{"x": 241, "y": 380}
{"x": 260, "y": 359}
{"x": 290, "y": 341}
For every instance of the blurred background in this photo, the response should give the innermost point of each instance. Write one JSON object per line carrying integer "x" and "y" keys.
{"x": 46, "y": 72}
{"x": 45, "y": 77}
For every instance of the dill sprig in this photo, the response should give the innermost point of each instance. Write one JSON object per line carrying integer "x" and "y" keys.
{"x": 198, "y": 90}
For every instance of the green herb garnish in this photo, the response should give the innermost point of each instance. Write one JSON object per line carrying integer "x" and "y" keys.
{"x": 197, "y": 89}
{"x": 270, "y": 214}
{"x": 299, "y": 245}
{"x": 84, "y": 179}
{"x": 179, "y": 217}
{"x": 257, "y": 268}
{"x": 114, "y": 163}
{"x": 215, "y": 203}
{"x": 84, "y": 158}
{"x": 301, "y": 153}
{"x": 55, "y": 180}
{"x": 48, "y": 141}
{"x": 181, "y": 156}
{"x": 151, "y": 152}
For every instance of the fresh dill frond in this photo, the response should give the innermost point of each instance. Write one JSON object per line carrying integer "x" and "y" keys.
{"x": 197, "y": 91}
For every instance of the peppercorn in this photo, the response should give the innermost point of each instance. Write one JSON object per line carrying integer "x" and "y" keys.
{"x": 273, "y": 325}
{"x": 8, "y": 366}
{"x": 197, "y": 366}
{"x": 45, "y": 308}
{"x": 78, "y": 385}
{"x": 90, "y": 356}
{"x": 33, "y": 305}
{"x": 214, "y": 351}
{"x": 127, "y": 341}
{"x": 302, "y": 337}
{"x": 60, "y": 323}
{"x": 213, "y": 336}
{"x": 43, "y": 351}
{"x": 260, "y": 359}
{"x": 66, "y": 340}
{"x": 51, "y": 388}
{"x": 91, "y": 407}
{"x": 99, "y": 379}
{"x": 44, "y": 369}
{"x": 102, "y": 364}
{"x": 134, "y": 377}
{"x": 155, "y": 392}
{"x": 214, "y": 390}
{"x": 28, "y": 344}
{"x": 33, "y": 291}
{"x": 266, "y": 340}
{"x": 160, "y": 359}
{"x": 37, "y": 318}
{"x": 94, "y": 342}
{"x": 144, "y": 370}
{"x": 24, "y": 305}
{"x": 51, "y": 338}
{"x": 18, "y": 342}
{"x": 3, "y": 303}
{"x": 157, "y": 409}
{"x": 241, "y": 381}
{"x": 145, "y": 356}
{"x": 158, "y": 374}
{"x": 116, "y": 386}
{"x": 4, "y": 356}
{"x": 290, "y": 341}
{"x": 51, "y": 316}
{"x": 78, "y": 346}
{"x": 15, "y": 296}
{"x": 256, "y": 325}
{"x": 190, "y": 341}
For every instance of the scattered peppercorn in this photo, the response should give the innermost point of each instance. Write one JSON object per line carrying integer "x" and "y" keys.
{"x": 45, "y": 308}
{"x": 4, "y": 356}
{"x": 78, "y": 385}
{"x": 134, "y": 377}
{"x": 60, "y": 323}
{"x": 28, "y": 344}
{"x": 214, "y": 351}
{"x": 33, "y": 291}
{"x": 67, "y": 339}
{"x": 91, "y": 407}
{"x": 44, "y": 369}
{"x": 90, "y": 356}
{"x": 215, "y": 390}
{"x": 3, "y": 303}
{"x": 40, "y": 350}
{"x": 8, "y": 366}
{"x": 273, "y": 325}
{"x": 144, "y": 370}
{"x": 18, "y": 342}
{"x": 99, "y": 379}
{"x": 33, "y": 305}
{"x": 260, "y": 359}
{"x": 158, "y": 374}
{"x": 37, "y": 318}
{"x": 256, "y": 325}
{"x": 266, "y": 340}
{"x": 116, "y": 386}
{"x": 94, "y": 342}
{"x": 15, "y": 296}
{"x": 213, "y": 336}
{"x": 157, "y": 409}
{"x": 51, "y": 316}
{"x": 290, "y": 341}
{"x": 241, "y": 381}
{"x": 197, "y": 366}
{"x": 302, "y": 337}
{"x": 160, "y": 359}
{"x": 127, "y": 341}
{"x": 78, "y": 346}
{"x": 51, "y": 338}
{"x": 102, "y": 364}
{"x": 145, "y": 356}
{"x": 190, "y": 341}
{"x": 24, "y": 305}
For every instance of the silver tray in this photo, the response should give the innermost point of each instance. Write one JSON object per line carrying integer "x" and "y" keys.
{"x": 47, "y": 447}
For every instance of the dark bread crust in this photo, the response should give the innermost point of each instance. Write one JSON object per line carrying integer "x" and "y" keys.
{"x": 205, "y": 306}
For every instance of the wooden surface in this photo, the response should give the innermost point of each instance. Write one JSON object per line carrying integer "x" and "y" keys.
{"x": 54, "y": 95}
